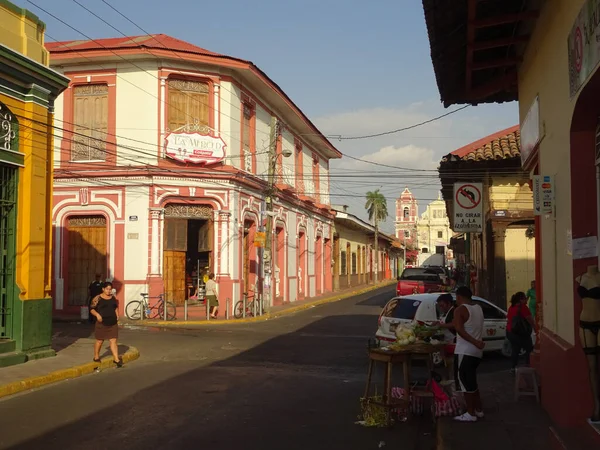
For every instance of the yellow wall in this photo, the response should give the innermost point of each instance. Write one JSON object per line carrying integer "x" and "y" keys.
{"x": 22, "y": 31}
{"x": 519, "y": 253}
{"x": 509, "y": 194}
{"x": 545, "y": 72}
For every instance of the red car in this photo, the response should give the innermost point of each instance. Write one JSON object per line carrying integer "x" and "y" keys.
{"x": 419, "y": 280}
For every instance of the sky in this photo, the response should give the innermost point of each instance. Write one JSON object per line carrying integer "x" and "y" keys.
{"x": 353, "y": 67}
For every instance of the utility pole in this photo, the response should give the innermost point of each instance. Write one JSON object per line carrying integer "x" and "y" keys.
{"x": 376, "y": 245}
{"x": 267, "y": 255}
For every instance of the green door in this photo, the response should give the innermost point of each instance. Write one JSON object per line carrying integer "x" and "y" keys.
{"x": 8, "y": 222}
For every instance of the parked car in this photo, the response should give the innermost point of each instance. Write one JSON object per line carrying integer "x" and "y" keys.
{"x": 423, "y": 308}
{"x": 441, "y": 271}
{"x": 418, "y": 280}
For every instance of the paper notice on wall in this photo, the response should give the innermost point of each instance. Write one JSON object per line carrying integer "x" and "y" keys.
{"x": 586, "y": 247}
{"x": 569, "y": 242}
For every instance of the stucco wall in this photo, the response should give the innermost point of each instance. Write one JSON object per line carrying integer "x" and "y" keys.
{"x": 545, "y": 73}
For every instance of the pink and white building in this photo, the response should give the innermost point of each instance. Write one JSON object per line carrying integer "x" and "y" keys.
{"x": 161, "y": 166}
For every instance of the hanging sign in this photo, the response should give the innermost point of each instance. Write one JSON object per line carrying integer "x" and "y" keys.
{"x": 260, "y": 238}
{"x": 468, "y": 208}
{"x": 543, "y": 195}
{"x": 583, "y": 45}
{"x": 195, "y": 148}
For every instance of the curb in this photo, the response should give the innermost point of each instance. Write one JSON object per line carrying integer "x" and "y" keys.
{"x": 63, "y": 374}
{"x": 291, "y": 310}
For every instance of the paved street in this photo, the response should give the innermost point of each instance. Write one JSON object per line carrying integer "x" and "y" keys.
{"x": 290, "y": 383}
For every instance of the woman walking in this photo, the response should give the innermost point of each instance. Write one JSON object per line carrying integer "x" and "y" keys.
{"x": 105, "y": 309}
{"x": 518, "y": 328}
{"x": 212, "y": 295}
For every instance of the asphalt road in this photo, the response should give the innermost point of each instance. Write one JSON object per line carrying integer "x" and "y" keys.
{"x": 289, "y": 383}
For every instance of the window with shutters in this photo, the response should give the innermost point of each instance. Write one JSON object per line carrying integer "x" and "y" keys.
{"x": 90, "y": 122}
{"x": 188, "y": 107}
{"x": 343, "y": 261}
{"x": 176, "y": 234}
{"x": 248, "y": 136}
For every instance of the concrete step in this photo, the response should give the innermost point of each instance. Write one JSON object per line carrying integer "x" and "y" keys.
{"x": 7, "y": 346}
{"x": 12, "y": 358}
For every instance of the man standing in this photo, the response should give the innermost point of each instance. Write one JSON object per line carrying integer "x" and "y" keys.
{"x": 468, "y": 323}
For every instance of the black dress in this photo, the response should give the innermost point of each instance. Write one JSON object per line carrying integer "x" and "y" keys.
{"x": 107, "y": 308}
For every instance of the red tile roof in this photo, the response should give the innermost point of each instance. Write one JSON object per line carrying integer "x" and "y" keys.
{"x": 152, "y": 41}
{"x": 500, "y": 145}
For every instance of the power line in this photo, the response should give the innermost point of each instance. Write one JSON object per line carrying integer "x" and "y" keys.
{"x": 385, "y": 133}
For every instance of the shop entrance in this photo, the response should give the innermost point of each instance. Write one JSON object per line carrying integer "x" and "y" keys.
{"x": 187, "y": 250}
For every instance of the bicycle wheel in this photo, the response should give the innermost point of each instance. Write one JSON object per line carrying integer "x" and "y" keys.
{"x": 238, "y": 311}
{"x": 171, "y": 311}
{"x": 133, "y": 310}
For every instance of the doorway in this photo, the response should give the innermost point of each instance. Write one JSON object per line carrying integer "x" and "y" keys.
{"x": 319, "y": 264}
{"x": 87, "y": 256}
{"x": 302, "y": 275}
{"x": 187, "y": 250}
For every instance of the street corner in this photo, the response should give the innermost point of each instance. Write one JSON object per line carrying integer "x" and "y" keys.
{"x": 63, "y": 374}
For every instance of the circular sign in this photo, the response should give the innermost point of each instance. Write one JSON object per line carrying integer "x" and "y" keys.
{"x": 578, "y": 49}
{"x": 468, "y": 196}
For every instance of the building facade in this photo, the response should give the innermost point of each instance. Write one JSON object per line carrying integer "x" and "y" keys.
{"x": 167, "y": 154}
{"x": 407, "y": 214}
{"x": 501, "y": 259}
{"x": 559, "y": 141}
{"x": 433, "y": 235}
{"x": 354, "y": 252}
{"x": 28, "y": 89}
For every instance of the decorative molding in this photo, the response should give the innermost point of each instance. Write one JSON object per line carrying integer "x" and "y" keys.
{"x": 189, "y": 211}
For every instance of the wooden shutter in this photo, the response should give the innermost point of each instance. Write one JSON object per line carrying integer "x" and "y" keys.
{"x": 205, "y": 237}
{"x": 90, "y": 117}
{"x": 188, "y": 106}
{"x": 176, "y": 234}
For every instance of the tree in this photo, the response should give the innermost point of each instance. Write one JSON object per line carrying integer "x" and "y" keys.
{"x": 376, "y": 207}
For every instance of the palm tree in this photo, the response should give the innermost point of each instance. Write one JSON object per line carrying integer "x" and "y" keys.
{"x": 376, "y": 207}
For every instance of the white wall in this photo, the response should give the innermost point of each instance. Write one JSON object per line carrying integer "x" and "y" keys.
{"x": 231, "y": 122}
{"x": 137, "y": 115}
{"x": 289, "y": 164}
{"x": 263, "y": 128}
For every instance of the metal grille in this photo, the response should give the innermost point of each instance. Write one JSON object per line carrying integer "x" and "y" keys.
{"x": 8, "y": 219}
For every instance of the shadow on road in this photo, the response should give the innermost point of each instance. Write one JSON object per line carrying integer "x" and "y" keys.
{"x": 299, "y": 390}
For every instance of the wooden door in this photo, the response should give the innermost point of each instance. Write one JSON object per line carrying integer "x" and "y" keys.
{"x": 174, "y": 255}
{"x": 246, "y": 260}
{"x": 87, "y": 256}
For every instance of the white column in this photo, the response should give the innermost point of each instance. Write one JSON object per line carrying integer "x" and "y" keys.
{"x": 155, "y": 245}
{"x": 224, "y": 225}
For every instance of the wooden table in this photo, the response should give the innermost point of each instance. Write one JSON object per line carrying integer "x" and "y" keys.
{"x": 403, "y": 356}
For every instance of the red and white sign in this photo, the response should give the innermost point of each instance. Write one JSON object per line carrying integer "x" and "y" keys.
{"x": 195, "y": 148}
{"x": 468, "y": 208}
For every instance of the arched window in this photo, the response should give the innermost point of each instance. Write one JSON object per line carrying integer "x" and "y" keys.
{"x": 406, "y": 213}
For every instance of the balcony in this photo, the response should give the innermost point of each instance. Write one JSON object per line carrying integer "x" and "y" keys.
{"x": 285, "y": 179}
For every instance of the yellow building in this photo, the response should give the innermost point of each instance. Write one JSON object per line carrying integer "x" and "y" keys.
{"x": 545, "y": 55}
{"x": 354, "y": 253}
{"x": 28, "y": 89}
{"x": 503, "y": 255}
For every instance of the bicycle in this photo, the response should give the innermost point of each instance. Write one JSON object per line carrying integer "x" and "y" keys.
{"x": 238, "y": 311}
{"x": 137, "y": 309}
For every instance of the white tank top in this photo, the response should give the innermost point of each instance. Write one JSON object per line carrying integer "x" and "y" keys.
{"x": 474, "y": 327}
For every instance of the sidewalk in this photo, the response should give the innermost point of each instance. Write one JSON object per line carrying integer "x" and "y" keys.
{"x": 521, "y": 425}
{"x": 73, "y": 359}
{"x": 197, "y": 314}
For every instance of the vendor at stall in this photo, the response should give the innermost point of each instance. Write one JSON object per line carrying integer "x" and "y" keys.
{"x": 445, "y": 303}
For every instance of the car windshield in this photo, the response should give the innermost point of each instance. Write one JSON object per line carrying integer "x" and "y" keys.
{"x": 401, "y": 308}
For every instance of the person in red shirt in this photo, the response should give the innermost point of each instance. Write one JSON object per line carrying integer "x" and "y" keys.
{"x": 518, "y": 328}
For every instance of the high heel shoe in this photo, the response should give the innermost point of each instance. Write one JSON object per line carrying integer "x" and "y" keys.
{"x": 97, "y": 360}
{"x": 118, "y": 363}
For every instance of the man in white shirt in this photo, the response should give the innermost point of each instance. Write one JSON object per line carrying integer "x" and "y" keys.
{"x": 468, "y": 323}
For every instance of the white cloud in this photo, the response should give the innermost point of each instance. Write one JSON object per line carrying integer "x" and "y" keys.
{"x": 418, "y": 148}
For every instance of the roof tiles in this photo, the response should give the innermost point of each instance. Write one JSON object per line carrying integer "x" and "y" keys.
{"x": 504, "y": 144}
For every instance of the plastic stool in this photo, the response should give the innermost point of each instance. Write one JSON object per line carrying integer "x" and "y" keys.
{"x": 521, "y": 375}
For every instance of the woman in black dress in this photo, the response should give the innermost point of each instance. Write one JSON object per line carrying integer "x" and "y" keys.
{"x": 105, "y": 309}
